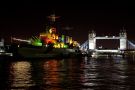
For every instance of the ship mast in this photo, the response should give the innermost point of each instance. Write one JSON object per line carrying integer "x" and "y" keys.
{"x": 52, "y": 24}
{"x": 52, "y": 17}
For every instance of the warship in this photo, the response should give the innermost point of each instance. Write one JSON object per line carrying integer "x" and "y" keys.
{"x": 48, "y": 44}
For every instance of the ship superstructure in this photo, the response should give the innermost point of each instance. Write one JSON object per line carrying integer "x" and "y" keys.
{"x": 51, "y": 37}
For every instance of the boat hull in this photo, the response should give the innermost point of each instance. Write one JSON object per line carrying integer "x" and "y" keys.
{"x": 26, "y": 52}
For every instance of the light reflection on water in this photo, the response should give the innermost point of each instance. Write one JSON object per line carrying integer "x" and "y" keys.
{"x": 68, "y": 74}
{"x": 20, "y": 74}
{"x": 51, "y": 76}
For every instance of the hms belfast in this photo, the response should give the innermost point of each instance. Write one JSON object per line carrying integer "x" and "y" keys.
{"x": 47, "y": 44}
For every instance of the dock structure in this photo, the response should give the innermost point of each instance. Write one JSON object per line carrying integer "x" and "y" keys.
{"x": 3, "y": 52}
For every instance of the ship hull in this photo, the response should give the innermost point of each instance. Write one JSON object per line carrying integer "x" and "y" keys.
{"x": 27, "y": 52}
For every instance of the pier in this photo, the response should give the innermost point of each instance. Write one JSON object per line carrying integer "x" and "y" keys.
{"x": 3, "y": 52}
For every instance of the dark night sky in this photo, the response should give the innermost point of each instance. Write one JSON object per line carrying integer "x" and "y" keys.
{"x": 25, "y": 19}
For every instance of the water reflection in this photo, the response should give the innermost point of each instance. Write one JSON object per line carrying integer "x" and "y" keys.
{"x": 20, "y": 75}
{"x": 104, "y": 73}
{"x": 61, "y": 74}
{"x": 51, "y": 75}
{"x": 68, "y": 74}
{"x": 91, "y": 78}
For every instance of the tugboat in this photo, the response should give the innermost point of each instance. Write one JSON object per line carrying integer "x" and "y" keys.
{"x": 48, "y": 44}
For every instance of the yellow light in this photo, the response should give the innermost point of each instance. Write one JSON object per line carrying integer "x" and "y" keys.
{"x": 55, "y": 46}
{"x": 57, "y": 37}
{"x": 53, "y": 36}
{"x": 58, "y": 45}
{"x": 50, "y": 30}
{"x": 70, "y": 40}
{"x": 62, "y": 45}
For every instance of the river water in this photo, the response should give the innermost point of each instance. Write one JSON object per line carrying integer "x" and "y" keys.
{"x": 67, "y": 74}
